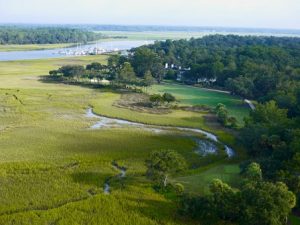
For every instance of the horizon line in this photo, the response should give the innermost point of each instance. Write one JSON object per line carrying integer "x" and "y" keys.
{"x": 154, "y": 25}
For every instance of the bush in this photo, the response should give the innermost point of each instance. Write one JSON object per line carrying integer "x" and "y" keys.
{"x": 167, "y": 97}
{"x": 157, "y": 99}
{"x": 179, "y": 188}
{"x": 171, "y": 75}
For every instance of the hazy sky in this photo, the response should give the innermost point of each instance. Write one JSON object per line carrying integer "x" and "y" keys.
{"x": 233, "y": 13}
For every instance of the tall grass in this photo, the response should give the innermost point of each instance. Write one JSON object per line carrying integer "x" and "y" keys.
{"x": 52, "y": 167}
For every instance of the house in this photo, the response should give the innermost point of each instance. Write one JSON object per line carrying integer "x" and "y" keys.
{"x": 206, "y": 80}
{"x": 179, "y": 77}
{"x": 180, "y": 73}
{"x": 94, "y": 81}
{"x": 125, "y": 53}
{"x": 104, "y": 82}
{"x": 179, "y": 69}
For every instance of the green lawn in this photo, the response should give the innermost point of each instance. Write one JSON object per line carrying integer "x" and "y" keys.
{"x": 295, "y": 220}
{"x": 188, "y": 95}
{"x": 199, "y": 183}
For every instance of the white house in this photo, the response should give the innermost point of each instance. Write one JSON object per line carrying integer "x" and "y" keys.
{"x": 104, "y": 82}
{"x": 206, "y": 80}
{"x": 94, "y": 81}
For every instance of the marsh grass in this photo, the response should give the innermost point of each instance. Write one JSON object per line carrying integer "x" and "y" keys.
{"x": 52, "y": 167}
{"x": 30, "y": 47}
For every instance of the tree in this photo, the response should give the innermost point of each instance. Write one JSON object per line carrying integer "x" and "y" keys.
{"x": 148, "y": 79}
{"x": 179, "y": 188}
{"x": 269, "y": 114}
{"x": 222, "y": 113}
{"x": 116, "y": 61}
{"x": 161, "y": 164}
{"x": 253, "y": 67}
{"x": 241, "y": 85}
{"x": 256, "y": 203}
{"x": 266, "y": 129}
{"x": 265, "y": 203}
{"x": 53, "y": 72}
{"x": 143, "y": 60}
{"x": 224, "y": 118}
{"x": 158, "y": 71}
{"x": 45, "y": 35}
{"x": 156, "y": 99}
{"x": 168, "y": 97}
{"x": 232, "y": 122}
{"x": 253, "y": 172}
{"x": 72, "y": 70}
{"x": 127, "y": 73}
{"x": 224, "y": 201}
{"x": 171, "y": 75}
{"x": 94, "y": 66}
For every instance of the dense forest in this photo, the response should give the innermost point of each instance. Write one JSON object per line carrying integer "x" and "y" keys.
{"x": 45, "y": 35}
{"x": 253, "y": 67}
{"x": 266, "y": 69}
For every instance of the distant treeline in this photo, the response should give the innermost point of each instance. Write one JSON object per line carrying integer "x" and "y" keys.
{"x": 188, "y": 29}
{"x": 157, "y": 28}
{"x": 45, "y": 35}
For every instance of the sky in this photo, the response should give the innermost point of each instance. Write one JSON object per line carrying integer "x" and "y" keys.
{"x": 224, "y": 13}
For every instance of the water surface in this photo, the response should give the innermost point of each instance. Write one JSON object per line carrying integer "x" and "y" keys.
{"x": 56, "y": 53}
{"x": 205, "y": 148}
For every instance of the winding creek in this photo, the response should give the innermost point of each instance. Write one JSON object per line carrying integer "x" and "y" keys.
{"x": 106, "y": 122}
{"x": 204, "y": 147}
{"x": 121, "y": 175}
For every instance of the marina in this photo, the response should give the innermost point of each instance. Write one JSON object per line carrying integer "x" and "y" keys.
{"x": 78, "y": 50}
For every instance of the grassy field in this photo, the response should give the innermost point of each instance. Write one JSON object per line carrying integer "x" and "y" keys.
{"x": 29, "y": 47}
{"x": 188, "y": 95}
{"x": 52, "y": 167}
{"x": 294, "y": 220}
{"x": 154, "y": 35}
{"x": 175, "y": 35}
{"x": 198, "y": 183}
{"x": 42, "y": 66}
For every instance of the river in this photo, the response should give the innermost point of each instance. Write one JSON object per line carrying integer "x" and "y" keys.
{"x": 54, "y": 53}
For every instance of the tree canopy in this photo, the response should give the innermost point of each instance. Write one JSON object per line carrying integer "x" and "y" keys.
{"x": 161, "y": 164}
{"x": 45, "y": 35}
{"x": 255, "y": 203}
{"x": 250, "y": 66}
